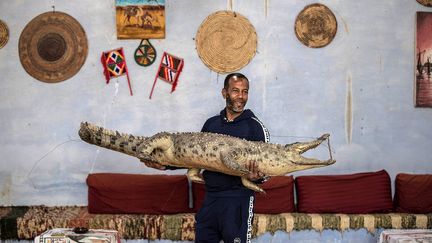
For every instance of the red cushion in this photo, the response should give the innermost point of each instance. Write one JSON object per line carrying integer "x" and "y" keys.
{"x": 279, "y": 197}
{"x": 368, "y": 192}
{"x": 134, "y": 193}
{"x": 413, "y": 193}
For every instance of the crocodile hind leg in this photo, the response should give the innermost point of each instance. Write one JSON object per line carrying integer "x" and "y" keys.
{"x": 249, "y": 184}
{"x": 161, "y": 141}
{"x": 303, "y": 147}
{"x": 194, "y": 175}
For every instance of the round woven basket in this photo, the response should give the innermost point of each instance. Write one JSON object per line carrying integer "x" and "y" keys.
{"x": 427, "y": 3}
{"x": 226, "y": 41}
{"x": 53, "y": 47}
{"x": 4, "y": 34}
{"x": 315, "y": 26}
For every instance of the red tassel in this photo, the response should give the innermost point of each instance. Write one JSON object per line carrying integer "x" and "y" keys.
{"x": 174, "y": 85}
{"x": 105, "y": 72}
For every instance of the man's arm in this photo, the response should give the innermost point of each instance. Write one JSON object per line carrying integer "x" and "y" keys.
{"x": 260, "y": 133}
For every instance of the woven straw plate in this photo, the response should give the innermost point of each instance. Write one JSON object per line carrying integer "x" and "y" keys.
{"x": 53, "y": 47}
{"x": 4, "y": 34}
{"x": 315, "y": 26}
{"x": 226, "y": 41}
{"x": 427, "y": 3}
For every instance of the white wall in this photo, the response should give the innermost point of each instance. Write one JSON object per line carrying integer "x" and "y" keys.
{"x": 298, "y": 92}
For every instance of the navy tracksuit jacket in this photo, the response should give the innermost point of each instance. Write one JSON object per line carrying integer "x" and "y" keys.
{"x": 227, "y": 210}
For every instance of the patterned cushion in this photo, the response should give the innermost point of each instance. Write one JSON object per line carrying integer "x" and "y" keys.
{"x": 25, "y": 223}
{"x": 413, "y": 193}
{"x": 134, "y": 193}
{"x": 279, "y": 196}
{"x": 368, "y": 192}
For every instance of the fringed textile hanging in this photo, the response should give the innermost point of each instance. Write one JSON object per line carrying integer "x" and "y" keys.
{"x": 114, "y": 64}
{"x": 169, "y": 70}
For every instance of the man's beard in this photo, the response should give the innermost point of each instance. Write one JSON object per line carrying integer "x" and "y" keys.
{"x": 236, "y": 106}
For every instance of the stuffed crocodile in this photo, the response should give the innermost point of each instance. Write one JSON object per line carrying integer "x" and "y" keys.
{"x": 210, "y": 151}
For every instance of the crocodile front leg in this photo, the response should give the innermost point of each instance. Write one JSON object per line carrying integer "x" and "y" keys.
{"x": 249, "y": 184}
{"x": 193, "y": 175}
{"x": 230, "y": 157}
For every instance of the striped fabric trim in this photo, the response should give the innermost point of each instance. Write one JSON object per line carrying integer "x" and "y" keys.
{"x": 250, "y": 218}
{"x": 421, "y": 221}
{"x": 25, "y": 223}
{"x": 342, "y": 222}
{"x": 265, "y": 130}
{"x": 317, "y": 222}
{"x": 396, "y": 220}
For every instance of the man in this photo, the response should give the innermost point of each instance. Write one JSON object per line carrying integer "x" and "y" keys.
{"x": 227, "y": 210}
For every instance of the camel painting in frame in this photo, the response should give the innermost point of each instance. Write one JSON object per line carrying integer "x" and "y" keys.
{"x": 423, "y": 70}
{"x": 140, "y": 19}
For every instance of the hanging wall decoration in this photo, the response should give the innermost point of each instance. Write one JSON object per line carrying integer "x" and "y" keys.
{"x": 226, "y": 41}
{"x": 423, "y": 80}
{"x": 427, "y": 3}
{"x": 4, "y": 34}
{"x": 169, "y": 70}
{"x": 140, "y": 19}
{"x": 53, "y": 47}
{"x": 114, "y": 64}
{"x": 145, "y": 54}
{"x": 315, "y": 26}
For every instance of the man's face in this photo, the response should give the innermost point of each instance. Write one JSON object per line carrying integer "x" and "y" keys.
{"x": 236, "y": 95}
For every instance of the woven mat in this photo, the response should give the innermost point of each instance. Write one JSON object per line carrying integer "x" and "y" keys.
{"x": 4, "y": 34}
{"x": 226, "y": 41}
{"x": 427, "y": 3}
{"x": 25, "y": 223}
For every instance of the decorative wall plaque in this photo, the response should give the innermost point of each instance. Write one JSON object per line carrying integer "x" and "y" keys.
{"x": 53, "y": 47}
{"x": 315, "y": 26}
{"x": 226, "y": 41}
{"x": 427, "y": 3}
{"x": 4, "y": 34}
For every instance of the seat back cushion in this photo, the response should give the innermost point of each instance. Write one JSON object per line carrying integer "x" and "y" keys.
{"x": 278, "y": 197}
{"x": 368, "y": 192}
{"x": 413, "y": 193}
{"x": 137, "y": 193}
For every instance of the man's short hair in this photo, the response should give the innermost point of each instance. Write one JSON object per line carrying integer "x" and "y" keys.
{"x": 229, "y": 76}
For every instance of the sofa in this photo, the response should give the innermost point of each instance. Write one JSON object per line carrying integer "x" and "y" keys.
{"x": 163, "y": 206}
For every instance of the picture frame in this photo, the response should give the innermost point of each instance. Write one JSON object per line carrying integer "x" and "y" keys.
{"x": 140, "y": 19}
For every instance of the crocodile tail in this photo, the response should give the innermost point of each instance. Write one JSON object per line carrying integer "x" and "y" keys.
{"x": 109, "y": 139}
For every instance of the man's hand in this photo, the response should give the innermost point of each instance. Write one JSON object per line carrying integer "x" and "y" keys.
{"x": 154, "y": 165}
{"x": 254, "y": 173}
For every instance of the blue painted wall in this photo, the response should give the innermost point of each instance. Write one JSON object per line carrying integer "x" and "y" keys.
{"x": 298, "y": 92}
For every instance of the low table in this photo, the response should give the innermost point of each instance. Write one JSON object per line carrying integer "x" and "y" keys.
{"x": 405, "y": 236}
{"x": 67, "y": 235}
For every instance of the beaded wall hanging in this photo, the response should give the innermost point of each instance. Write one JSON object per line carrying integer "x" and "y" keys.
{"x": 114, "y": 64}
{"x": 169, "y": 71}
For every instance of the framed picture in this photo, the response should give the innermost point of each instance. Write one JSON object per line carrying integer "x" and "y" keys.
{"x": 423, "y": 60}
{"x": 140, "y": 19}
